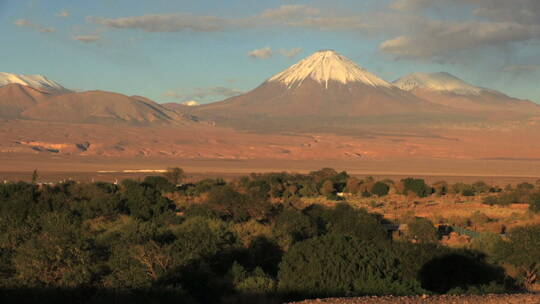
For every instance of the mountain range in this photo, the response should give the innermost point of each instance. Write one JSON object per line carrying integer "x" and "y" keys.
{"x": 324, "y": 106}
{"x": 329, "y": 92}
{"x": 26, "y": 102}
{"x": 324, "y": 90}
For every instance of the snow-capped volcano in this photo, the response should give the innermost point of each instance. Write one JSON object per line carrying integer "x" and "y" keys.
{"x": 441, "y": 82}
{"x": 327, "y": 89}
{"x": 326, "y": 66}
{"x": 39, "y": 82}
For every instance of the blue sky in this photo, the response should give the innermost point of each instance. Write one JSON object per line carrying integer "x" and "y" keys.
{"x": 208, "y": 50}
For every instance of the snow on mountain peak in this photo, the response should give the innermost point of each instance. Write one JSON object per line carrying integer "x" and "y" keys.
{"x": 325, "y": 66}
{"x": 191, "y": 103}
{"x": 33, "y": 81}
{"x": 442, "y": 81}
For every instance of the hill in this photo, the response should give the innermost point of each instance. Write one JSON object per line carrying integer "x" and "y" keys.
{"x": 101, "y": 107}
{"x": 16, "y": 98}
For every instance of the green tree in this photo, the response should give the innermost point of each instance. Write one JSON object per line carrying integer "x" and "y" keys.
{"x": 380, "y": 189}
{"x": 62, "y": 255}
{"x": 327, "y": 188}
{"x": 337, "y": 265}
{"x": 174, "y": 175}
{"x": 421, "y": 230}
{"x": 237, "y": 206}
{"x": 34, "y": 176}
{"x": 535, "y": 203}
{"x": 523, "y": 251}
{"x": 346, "y": 220}
{"x": 417, "y": 186}
{"x": 294, "y": 224}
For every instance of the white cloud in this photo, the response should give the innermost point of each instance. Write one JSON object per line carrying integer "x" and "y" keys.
{"x": 529, "y": 68}
{"x": 203, "y": 93}
{"x": 63, "y": 13}
{"x": 87, "y": 38}
{"x": 22, "y": 22}
{"x": 263, "y": 53}
{"x": 165, "y": 23}
{"x": 47, "y": 29}
{"x": 496, "y": 24}
{"x": 286, "y": 12}
{"x": 27, "y": 23}
{"x": 285, "y": 15}
{"x": 291, "y": 53}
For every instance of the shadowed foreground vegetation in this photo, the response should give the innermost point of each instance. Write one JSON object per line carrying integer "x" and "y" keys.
{"x": 245, "y": 241}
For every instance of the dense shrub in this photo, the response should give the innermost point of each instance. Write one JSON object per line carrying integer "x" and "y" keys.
{"x": 346, "y": 220}
{"x": 459, "y": 270}
{"x": 535, "y": 203}
{"x": 523, "y": 251}
{"x": 421, "y": 230}
{"x": 341, "y": 265}
{"x": 244, "y": 241}
{"x": 380, "y": 189}
{"x": 417, "y": 186}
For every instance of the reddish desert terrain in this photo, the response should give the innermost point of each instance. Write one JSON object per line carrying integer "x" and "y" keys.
{"x": 504, "y": 151}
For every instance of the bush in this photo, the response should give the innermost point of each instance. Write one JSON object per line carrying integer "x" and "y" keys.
{"x": 296, "y": 225}
{"x": 417, "y": 186}
{"x": 337, "y": 265}
{"x": 490, "y": 200}
{"x": 380, "y": 189}
{"x": 535, "y": 203}
{"x": 459, "y": 270}
{"x": 237, "y": 206}
{"x": 523, "y": 251}
{"x": 421, "y": 230}
{"x": 327, "y": 188}
{"x": 346, "y": 220}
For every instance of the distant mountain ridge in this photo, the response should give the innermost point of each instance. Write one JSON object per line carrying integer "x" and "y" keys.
{"x": 23, "y": 102}
{"x": 442, "y": 81}
{"x": 323, "y": 92}
{"x": 448, "y": 90}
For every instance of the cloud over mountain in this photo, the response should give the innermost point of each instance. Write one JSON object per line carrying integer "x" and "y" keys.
{"x": 202, "y": 93}
{"x": 498, "y": 24}
{"x": 263, "y": 53}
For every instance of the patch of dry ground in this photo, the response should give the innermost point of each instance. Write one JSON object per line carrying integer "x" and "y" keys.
{"x": 484, "y": 299}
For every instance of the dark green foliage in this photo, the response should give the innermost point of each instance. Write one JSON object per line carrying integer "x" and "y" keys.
{"x": 481, "y": 187}
{"x": 159, "y": 183}
{"x": 523, "y": 251}
{"x": 144, "y": 202}
{"x": 237, "y": 206}
{"x": 535, "y": 203}
{"x": 99, "y": 242}
{"x": 346, "y": 220}
{"x": 417, "y": 186}
{"x": 458, "y": 270}
{"x": 174, "y": 175}
{"x": 380, "y": 189}
{"x": 421, "y": 230}
{"x": 525, "y": 187}
{"x": 34, "y": 176}
{"x": 340, "y": 265}
{"x": 296, "y": 225}
{"x": 414, "y": 256}
{"x": 490, "y": 200}
{"x": 59, "y": 256}
{"x": 204, "y": 186}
